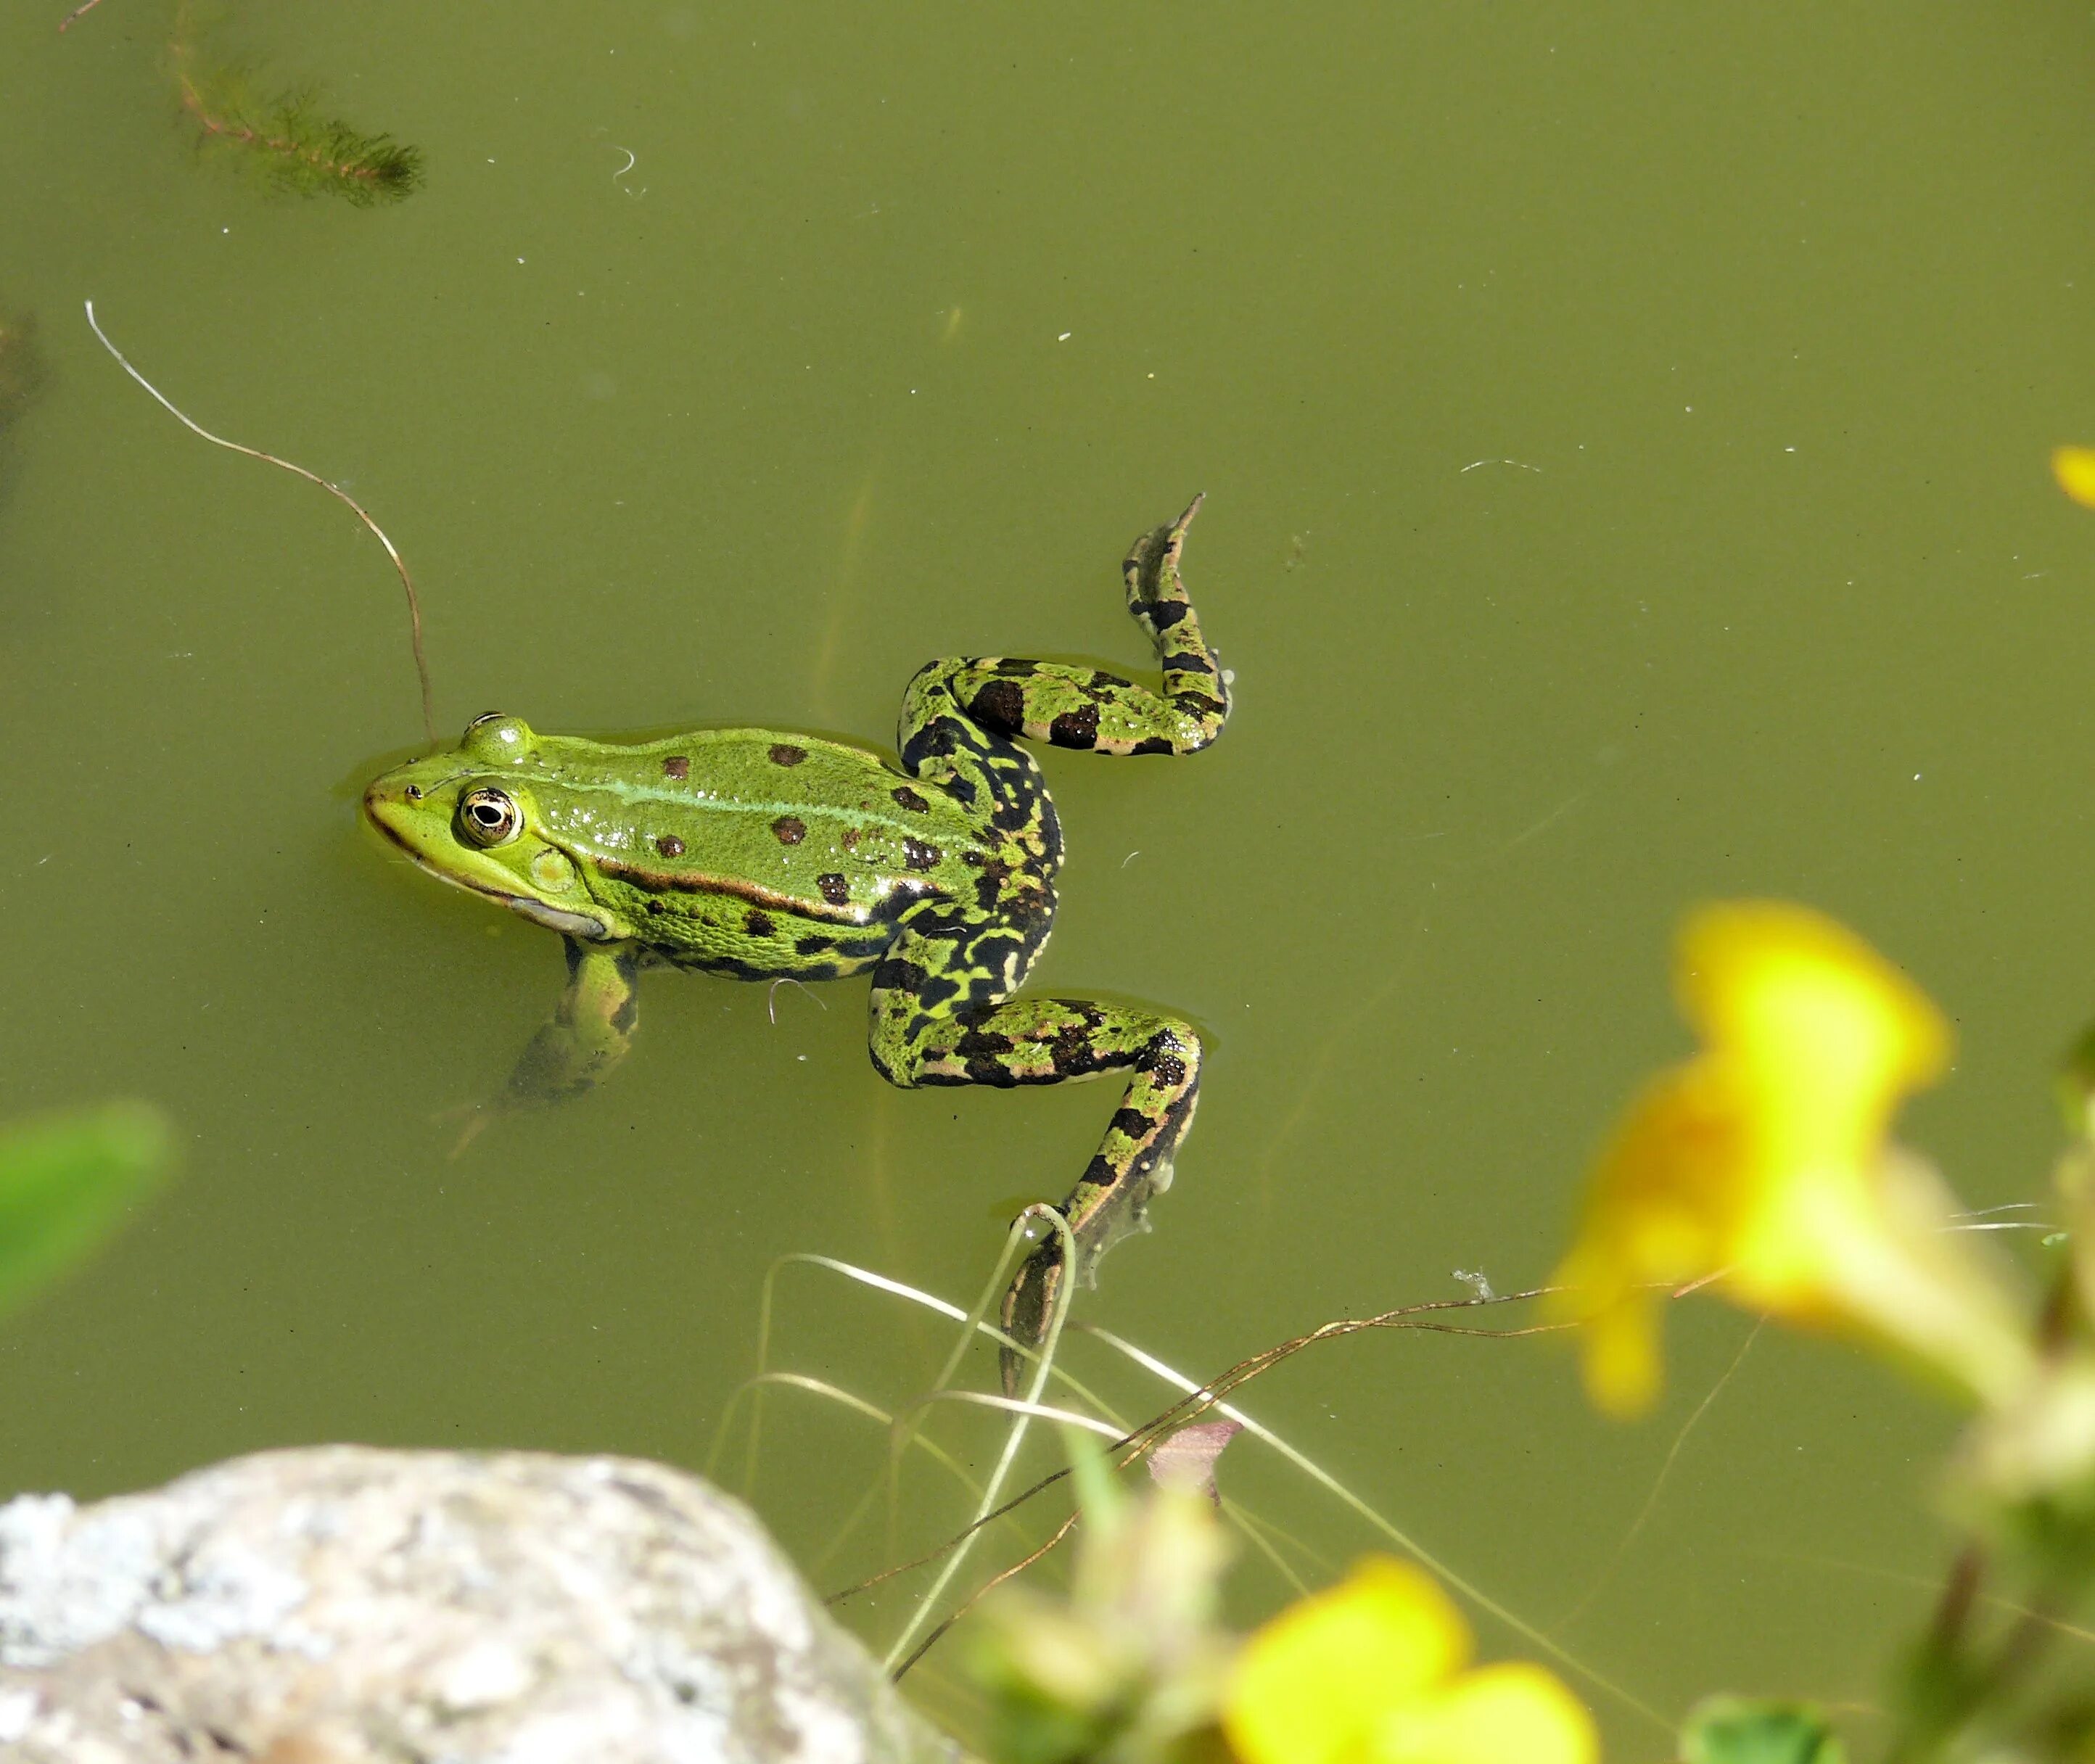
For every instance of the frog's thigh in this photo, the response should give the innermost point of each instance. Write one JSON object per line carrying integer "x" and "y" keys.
{"x": 590, "y": 1029}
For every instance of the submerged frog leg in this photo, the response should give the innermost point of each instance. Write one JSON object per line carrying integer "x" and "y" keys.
{"x": 590, "y": 1029}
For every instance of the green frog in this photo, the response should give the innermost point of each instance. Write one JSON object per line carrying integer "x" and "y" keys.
{"x": 768, "y": 855}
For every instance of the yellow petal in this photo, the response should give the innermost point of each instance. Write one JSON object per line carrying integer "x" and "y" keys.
{"x": 2075, "y": 469}
{"x": 1620, "y": 1359}
{"x": 1315, "y": 1685}
{"x": 1808, "y": 1010}
{"x": 1514, "y": 1713}
{"x": 1762, "y": 1158}
{"x": 1657, "y": 1214}
{"x": 1815, "y": 1038}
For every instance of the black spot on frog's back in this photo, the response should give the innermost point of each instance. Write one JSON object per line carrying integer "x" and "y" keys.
{"x": 835, "y": 889}
{"x": 784, "y": 753}
{"x": 909, "y": 800}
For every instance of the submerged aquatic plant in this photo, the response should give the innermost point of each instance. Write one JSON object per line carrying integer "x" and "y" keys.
{"x": 287, "y": 137}
{"x": 22, "y": 371}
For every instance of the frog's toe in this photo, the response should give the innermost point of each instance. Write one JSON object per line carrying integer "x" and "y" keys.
{"x": 1029, "y": 1302}
{"x": 472, "y": 1117}
{"x": 1151, "y": 564}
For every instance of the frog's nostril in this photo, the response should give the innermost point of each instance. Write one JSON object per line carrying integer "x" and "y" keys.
{"x": 414, "y": 793}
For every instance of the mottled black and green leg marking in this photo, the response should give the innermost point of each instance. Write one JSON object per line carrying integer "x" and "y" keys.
{"x": 590, "y": 1031}
{"x": 1099, "y": 712}
{"x": 942, "y": 1012}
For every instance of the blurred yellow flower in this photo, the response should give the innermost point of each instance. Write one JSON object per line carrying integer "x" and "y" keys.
{"x": 1762, "y": 1163}
{"x": 2075, "y": 469}
{"x": 1373, "y": 1671}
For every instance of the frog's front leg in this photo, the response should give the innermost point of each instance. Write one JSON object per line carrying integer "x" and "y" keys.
{"x": 590, "y": 1029}
{"x": 587, "y": 1035}
{"x": 933, "y": 1025}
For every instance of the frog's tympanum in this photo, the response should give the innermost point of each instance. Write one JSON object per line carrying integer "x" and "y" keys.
{"x": 763, "y": 854}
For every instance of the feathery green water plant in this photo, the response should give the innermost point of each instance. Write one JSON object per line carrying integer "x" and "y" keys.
{"x": 287, "y": 137}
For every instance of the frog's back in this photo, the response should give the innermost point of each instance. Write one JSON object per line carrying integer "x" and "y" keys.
{"x": 755, "y": 852}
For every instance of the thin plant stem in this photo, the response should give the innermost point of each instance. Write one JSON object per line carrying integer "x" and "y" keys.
{"x": 1323, "y": 1477}
{"x": 858, "y": 1405}
{"x": 1014, "y": 1439}
{"x": 1011, "y": 1405}
{"x": 1238, "y": 1516}
{"x": 1658, "y": 1482}
{"x": 1200, "y": 1399}
{"x": 335, "y": 490}
{"x": 1255, "y": 1530}
{"x": 987, "y": 1587}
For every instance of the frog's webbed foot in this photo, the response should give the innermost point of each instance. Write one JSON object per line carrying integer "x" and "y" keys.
{"x": 1195, "y": 685}
{"x": 587, "y": 1035}
{"x": 1122, "y": 1211}
{"x": 471, "y": 1118}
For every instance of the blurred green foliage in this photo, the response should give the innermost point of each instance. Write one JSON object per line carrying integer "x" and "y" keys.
{"x": 1736, "y": 1730}
{"x": 66, "y": 1182}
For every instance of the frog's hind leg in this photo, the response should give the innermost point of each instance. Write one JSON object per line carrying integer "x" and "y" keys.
{"x": 937, "y": 1019}
{"x": 1087, "y": 707}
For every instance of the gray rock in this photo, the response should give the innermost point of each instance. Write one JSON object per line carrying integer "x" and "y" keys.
{"x": 343, "y": 1605}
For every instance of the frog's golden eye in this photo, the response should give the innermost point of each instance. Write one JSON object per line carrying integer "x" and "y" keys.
{"x": 488, "y": 817}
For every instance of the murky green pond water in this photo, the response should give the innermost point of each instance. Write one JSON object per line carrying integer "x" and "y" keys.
{"x": 1624, "y": 434}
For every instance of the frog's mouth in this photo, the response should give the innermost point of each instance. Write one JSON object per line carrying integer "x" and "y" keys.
{"x": 553, "y": 918}
{"x": 581, "y": 924}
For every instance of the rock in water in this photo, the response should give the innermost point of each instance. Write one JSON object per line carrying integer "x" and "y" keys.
{"x": 346, "y": 1605}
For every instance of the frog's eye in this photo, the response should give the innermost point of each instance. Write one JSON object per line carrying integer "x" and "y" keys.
{"x": 488, "y": 817}
{"x": 497, "y": 740}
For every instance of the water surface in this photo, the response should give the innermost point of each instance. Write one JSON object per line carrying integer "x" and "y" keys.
{"x": 1624, "y": 438}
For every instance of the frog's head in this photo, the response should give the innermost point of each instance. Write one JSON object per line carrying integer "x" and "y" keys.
{"x": 469, "y": 816}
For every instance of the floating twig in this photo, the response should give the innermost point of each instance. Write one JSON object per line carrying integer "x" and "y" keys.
{"x": 335, "y": 490}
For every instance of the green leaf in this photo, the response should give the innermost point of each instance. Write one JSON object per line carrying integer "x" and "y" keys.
{"x": 66, "y": 1182}
{"x": 1737, "y": 1730}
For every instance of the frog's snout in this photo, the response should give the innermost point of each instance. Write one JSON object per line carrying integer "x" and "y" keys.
{"x": 388, "y": 802}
